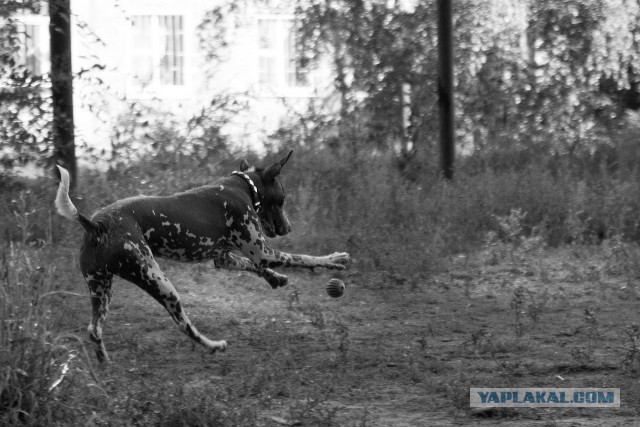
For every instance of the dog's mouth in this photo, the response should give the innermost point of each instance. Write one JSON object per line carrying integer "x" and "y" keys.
{"x": 274, "y": 230}
{"x": 268, "y": 228}
{"x": 284, "y": 230}
{"x": 269, "y": 231}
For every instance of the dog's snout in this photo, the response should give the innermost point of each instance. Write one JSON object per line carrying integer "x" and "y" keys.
{"x": 284, "y": 226}
{"x": 284, "y": 230}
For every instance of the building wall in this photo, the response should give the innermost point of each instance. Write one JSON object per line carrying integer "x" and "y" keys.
{"x": 104, "y": 33}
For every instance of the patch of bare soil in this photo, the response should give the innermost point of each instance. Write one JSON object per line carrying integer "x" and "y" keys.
{"x": 394, "y": 350}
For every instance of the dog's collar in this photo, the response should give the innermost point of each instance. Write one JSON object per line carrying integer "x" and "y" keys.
{"x": 255, "y": 196}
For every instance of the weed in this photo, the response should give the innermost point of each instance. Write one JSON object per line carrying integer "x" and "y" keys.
{"x": 532, "y": 245}
{"x": 315, "y": 410}
{"x": 456, "y": 390}
{"x": 317, "y": 315}
{"x": 268, "y": 377}
{"x": 23, "y": 213}
{"x": 483, "y": 342}
{"x": 631, "y": 358}
{"x": 591, "y": 324}
{"x": 537, "y": 305}
{"x": 513, "y": 369}
{"x": 424, "y": 343}
{"x": 526, "y": 304}
{"x": 494, "y": 250}
{"x": 518, "y": 306}
{"x": 363, "y": 422}
{"x": 511, "y": 226}
{"x": 583, "y": 353}
{"x": 545, "y": 277}
{"x": 342, "y": 332}
{"x": 621, "y": 257}
{"x": 293, "y": 297}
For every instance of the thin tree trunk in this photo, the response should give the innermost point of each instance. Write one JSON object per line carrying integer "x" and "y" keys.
{"x": 62, "y": 86}
{"x": 445, "y": 87}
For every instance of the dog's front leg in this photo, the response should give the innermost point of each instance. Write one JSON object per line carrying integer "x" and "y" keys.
{"x": 264, "y": 257}
{"x": 273, "y": 258}
{"x": 230, "y": 261}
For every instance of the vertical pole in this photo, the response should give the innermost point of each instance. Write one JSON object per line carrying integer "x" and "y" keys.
{"x": 62, "y": 85}
{"x": 405, "y": 117}
{"x": 445, "y": 87}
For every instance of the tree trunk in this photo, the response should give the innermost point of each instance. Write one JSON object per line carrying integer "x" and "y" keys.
{"x": 62, "y": 86}
{"x": 445, "y": 87}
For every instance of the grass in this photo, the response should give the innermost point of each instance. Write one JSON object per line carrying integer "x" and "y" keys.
{"x": 497, "y": 279}
{"x": 40, "y": 361}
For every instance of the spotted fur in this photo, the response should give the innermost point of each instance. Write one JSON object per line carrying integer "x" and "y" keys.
{"x": 226, "y": 222}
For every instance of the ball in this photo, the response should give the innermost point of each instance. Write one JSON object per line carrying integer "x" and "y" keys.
{"x": 335, "y": 288}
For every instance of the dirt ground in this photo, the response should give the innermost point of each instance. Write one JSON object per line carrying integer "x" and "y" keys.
{"x": 393, "y": 351}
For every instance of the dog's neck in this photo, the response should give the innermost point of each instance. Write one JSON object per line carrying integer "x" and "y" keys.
{"x": 255, "y": 196}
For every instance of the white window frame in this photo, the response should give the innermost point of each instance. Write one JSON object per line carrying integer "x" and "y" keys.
{"x": 36, "y": 44}
{"x": 156, "y": 88}
{"x": 279, "y": 83}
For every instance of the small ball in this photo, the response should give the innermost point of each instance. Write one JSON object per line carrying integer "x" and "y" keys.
{"x": 335, "y": 288}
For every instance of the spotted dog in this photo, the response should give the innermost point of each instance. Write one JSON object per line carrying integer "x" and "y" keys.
{"x": 205, "y": 223}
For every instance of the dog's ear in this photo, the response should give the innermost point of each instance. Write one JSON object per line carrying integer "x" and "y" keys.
{"x": 244, "y": 165}
{"x": 274, "y": 170}
{"x": 285, "y": 159}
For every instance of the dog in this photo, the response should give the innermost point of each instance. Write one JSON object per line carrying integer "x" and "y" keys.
{"x": 204, "y": 223}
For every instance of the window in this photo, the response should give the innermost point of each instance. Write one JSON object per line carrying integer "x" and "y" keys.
{"x": 158, "y": 50}
{"x": 31, "y": 7}
{"x": 296, "y": 75}
{"x": 33, "y": 32}
{"x": 277, "y": 54}
{"x": 31, "y": 54}
{"x": 268, "y": 51}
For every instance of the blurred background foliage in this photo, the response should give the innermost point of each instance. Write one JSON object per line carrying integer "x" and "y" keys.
{"x": 25, "y": 110}
{"x": 534, "y": 79}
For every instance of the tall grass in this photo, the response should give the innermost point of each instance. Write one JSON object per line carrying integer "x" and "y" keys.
{"x": 41, "y": 368}
{"x": 392, "y": 224}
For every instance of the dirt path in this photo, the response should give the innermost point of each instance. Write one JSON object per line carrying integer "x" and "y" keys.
{"x": 391, "y": 351}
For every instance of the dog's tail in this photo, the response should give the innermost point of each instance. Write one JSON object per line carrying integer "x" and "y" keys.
{"x": 65, "y": 206}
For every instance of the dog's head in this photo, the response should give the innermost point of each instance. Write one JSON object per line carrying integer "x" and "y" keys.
{"x": 271, "y": 193}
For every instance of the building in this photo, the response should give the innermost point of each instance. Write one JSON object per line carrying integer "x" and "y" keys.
{"x": 152, "y": 51}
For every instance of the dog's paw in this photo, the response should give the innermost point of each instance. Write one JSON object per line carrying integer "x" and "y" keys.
{"x": 338, "y": 260}
{"x": 276, "y": 280}
{"x": 102, "y": 355}
{"x": 218, "y": 346}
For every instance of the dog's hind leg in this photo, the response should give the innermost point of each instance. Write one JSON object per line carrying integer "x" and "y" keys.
{"x": 100, "y": 291}
{"x": 141, "y": 268}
